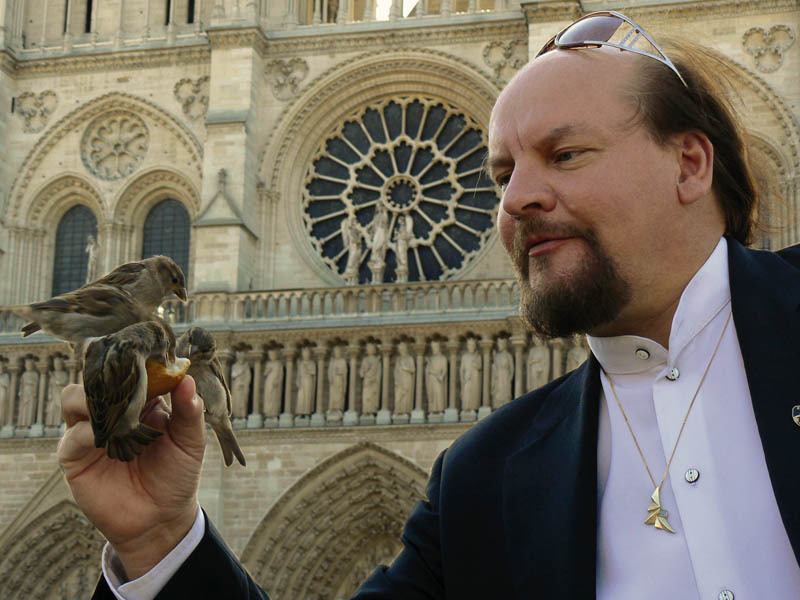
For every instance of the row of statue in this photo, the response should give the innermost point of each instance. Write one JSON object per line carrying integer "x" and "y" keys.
{"x": 377, "y": 241}
{"x": 371, "y": 380}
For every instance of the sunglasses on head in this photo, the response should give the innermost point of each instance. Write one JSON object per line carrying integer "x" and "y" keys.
{"x": 609, "y": 28}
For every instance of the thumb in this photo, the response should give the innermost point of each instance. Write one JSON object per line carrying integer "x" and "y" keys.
{"x": 186, "y": 424}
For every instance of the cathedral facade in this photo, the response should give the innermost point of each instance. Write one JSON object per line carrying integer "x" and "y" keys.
{"x": 316, "y": 168}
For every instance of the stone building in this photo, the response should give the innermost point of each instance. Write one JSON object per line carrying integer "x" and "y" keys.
{"x": 315, "y": 168}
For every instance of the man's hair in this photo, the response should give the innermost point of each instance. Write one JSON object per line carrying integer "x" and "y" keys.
{"x": 666, "y": 107}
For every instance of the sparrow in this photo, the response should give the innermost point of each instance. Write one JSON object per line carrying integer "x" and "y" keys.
{"x": 199, "y": 346}
{"x": 115, "y": 382}
{"x": 148, "y": 281}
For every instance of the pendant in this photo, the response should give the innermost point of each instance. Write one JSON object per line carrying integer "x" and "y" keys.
{"x": 657, "y": 516}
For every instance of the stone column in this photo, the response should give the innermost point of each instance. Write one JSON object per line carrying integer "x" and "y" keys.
{"x": 318, "y": 418}
{"x": 171, "y": 22}
{"x": 37, "y": 427}
{"x": 287, "y": 416}
{"x": 317, "y": 18}
{"x": 418, "y": 414}
{"x": 451, "y": 412}
{"x": 255, "y": 420}
{"x": 14, "y": 368}
{"x": 486, "y": 344}
{"x": 558, "y": 346}
{"x": 351, "y": 414}
{"x": 384, "y": 416}
{"x": 68, "y": 28}
{"x": 119, "y": 33}
{"x": 43, "y": 41}
{"x": 518, "y": 343}
{"x": 72, "y": 368}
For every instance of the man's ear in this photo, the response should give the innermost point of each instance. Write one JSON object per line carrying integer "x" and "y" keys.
{"x": 696, "y": 162}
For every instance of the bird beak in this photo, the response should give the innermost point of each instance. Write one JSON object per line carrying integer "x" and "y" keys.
{"x": 181, "y": 293}
{"x": 192, "y": 350}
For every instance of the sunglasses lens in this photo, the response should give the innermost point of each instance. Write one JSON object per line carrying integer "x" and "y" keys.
{"x": 593, "y": 29}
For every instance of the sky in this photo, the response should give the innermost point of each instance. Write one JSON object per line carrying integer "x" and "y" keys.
{"x": 382, "y": 9}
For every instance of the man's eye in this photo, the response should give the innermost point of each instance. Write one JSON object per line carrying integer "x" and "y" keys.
{"x": 565, "y": 156}
{"x": 502, "y": 181}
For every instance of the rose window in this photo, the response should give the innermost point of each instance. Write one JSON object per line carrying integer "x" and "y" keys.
{"x": 114, "y": 144}
{"x": 397, "y": 192}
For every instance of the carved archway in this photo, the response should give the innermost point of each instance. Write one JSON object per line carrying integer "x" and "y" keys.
{"x": 57, "y": 556}
{"x": 326, "y": 532}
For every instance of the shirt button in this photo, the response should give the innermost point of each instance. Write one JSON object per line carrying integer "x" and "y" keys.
{"x": 642, "y": 353}
{"x": 692, "y": 475}
{"x": 725, "y": 595}
{"x": 673, "y": 374}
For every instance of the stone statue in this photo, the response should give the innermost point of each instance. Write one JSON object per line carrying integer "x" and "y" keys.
{"x": 436, "y": 379}
{"x": 59, "y": 378}
{"x": 240, "y": 385}
{"x": 92, "y": 250}
{"x": 351, "y": 238}
{"x": 402, "y": 236}
{"x": 538, "y": 365}
{"x": 470, "y": 373}
{"x": 337, "y": 380}
{"x": 306, "y": 380}
{"x": 379, "y": 243}
{"x": 502, "y": 374}
{"x": 576, "y": 355}
{"x": 273, "y": 385}
{"x": 5, "y": 383}
{"x": 404, "y": 371}
{"x": 370, "y": 373}
{"x": 29, "y": 388}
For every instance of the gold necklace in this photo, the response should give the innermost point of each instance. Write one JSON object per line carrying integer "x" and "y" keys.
{"x": 656, "y": 515}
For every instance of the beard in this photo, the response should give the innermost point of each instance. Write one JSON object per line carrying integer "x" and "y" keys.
{"x": 593, "y": 294}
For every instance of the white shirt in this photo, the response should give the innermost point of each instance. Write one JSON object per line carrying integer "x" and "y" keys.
{"x": 729, "y": 533}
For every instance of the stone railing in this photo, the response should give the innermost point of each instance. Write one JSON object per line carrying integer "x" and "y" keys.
{"x": 362, "y": 355}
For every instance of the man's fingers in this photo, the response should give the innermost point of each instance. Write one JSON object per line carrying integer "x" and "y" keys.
{"x": 186, "y": 424}
{"x": 73, "y": 404}
{"x": 76, "y": 444}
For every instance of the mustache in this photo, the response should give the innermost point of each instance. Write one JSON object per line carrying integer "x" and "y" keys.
{"x": 537, "y": 225}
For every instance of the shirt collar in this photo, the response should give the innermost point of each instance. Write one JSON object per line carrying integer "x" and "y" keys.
{"x": 702, "y": 299}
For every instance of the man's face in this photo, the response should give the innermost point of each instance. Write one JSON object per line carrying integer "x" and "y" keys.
{"x": 586, "y": 193}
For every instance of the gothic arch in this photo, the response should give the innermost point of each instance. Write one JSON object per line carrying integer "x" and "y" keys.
{"x": 73, "y": 124}
{"x": 57, "y": 546}
{"x": 337, "y": 93}
{"x": 151, "y": 187}
{"x": 57, "y": 196}
{"x": 324, "y": 530}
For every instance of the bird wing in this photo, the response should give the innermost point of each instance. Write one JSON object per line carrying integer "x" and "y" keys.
{"x": 109, "y": 386}
{"x": 216, "y": 369}
{"x": 123, "y": 274}
{"x": 96, "y": 300}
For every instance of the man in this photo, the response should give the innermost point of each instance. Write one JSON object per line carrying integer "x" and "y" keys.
{"x": 626, "y": 201}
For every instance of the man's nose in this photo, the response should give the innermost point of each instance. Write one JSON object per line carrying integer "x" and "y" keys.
{"x": 527, "y": 192}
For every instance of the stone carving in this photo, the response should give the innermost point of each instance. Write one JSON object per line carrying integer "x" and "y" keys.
{"x": 114, "y": 144}
{"x": 404, "y": 371}
{"x": 240, "y": 385}
{"x": 436, "y": 379}
{"x": 337, "y": 383}
{"x": 370, "y": 372}
{"x": 538, "y": 365}
{"x": 306, "y": 380}
{"x": 59, "y": 378}
{"x": 91, "y": 265}
{"x": 193, "y": 96}
{"x": 29, "y": 388}
{"x": 273, "y": 385}
{"x": 5, "y": 382}
{"x": 471, "y": 376}
{"x": 351, "y": 238}
{"x": 502, "y": 374}
{"x": 284, "y": 76}
{"x": 36, "y": 110}
{"x": 378, "y": 244}
{"x": 576, "y": 355}
{"x": 768, "y": 47}
{"x": 403, "y": 235}
{"x": 505, "y": 58}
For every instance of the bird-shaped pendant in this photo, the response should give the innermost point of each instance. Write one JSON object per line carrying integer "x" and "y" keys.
{"x": 657, "y": 516}
{"x": 115, "y": 381}
{"x": 199, "y": 346}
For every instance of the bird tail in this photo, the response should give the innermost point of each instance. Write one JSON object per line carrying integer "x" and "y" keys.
{"x": 228, "y": 442}
{"x": 129, "y": 446}
{"x": 23, "y": 311}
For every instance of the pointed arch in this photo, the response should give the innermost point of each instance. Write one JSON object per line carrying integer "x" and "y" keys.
{"x": 56, "y": 196}
{"x": 337, "y": 519}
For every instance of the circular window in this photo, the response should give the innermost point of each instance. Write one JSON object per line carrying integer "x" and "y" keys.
{"x": 397, "y": 192}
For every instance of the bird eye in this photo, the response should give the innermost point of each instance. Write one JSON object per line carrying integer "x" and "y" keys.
{"x": 174, "y": 280}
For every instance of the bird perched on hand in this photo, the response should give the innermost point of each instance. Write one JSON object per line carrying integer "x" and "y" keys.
{"x": 115, "y": 381}
{"x": 200, "y": 347}
{"x": 95, "y": 309}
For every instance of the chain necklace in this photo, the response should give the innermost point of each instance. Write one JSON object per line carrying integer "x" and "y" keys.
{"x": 656, "y": 515}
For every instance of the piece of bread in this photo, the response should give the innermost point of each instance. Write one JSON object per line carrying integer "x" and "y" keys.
{"x": 163, "y": 379}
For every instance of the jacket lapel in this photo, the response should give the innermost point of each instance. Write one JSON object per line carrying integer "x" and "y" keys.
{"x": 550, "y": 493}
{"x": 765, "y": 297}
